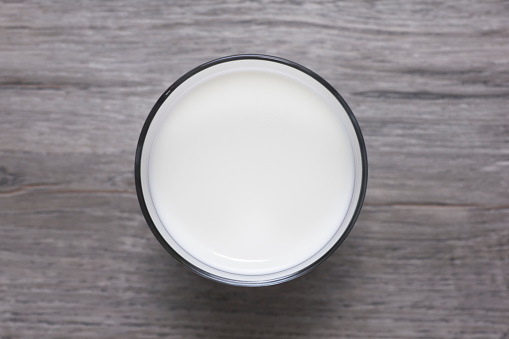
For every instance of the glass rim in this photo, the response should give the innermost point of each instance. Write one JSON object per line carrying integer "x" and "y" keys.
{"x": 141, "y": 196}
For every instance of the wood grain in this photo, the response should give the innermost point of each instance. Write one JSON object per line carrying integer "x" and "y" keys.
{"x": 429, "y": 83}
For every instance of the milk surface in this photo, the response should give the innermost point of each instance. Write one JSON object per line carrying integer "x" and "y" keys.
{"x": 251, "y": 172}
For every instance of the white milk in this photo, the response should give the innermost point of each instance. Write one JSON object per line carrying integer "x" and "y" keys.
{"x": 251, "y": 171}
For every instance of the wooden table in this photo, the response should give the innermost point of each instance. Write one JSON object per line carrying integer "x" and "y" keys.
{"x": 429, "y": 83}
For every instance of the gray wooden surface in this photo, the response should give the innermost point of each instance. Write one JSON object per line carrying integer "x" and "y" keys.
{"x": 428, "y": 81}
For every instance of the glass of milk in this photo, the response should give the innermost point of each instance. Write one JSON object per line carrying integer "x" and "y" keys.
{"x": 251, "y": 170}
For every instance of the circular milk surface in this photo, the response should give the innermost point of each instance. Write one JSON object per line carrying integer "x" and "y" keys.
{"x": 252, "y": 171}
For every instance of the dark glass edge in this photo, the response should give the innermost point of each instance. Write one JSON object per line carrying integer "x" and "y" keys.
{"x": 141, "y": 199}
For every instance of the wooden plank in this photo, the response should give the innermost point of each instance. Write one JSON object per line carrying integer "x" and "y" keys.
{"x": 428, "y": 82}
